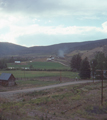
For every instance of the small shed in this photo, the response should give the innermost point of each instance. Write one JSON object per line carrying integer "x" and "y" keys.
{"x": 7, "y": 79}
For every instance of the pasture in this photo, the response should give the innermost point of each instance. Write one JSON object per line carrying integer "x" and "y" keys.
{"x": 36, "y": 74}
{"x": 39, "y": 65}
{"x": 30, "y": 79}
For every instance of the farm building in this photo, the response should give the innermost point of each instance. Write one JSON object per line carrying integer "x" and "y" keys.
{"x": 50, "y": 58}
{"x": 17, "y": 62}
{"x": 7, "y": 79}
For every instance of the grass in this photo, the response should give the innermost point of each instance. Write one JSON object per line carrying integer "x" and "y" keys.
{"x": 71, "y": 102}
{"x": 35, "y": 74}
{"x": 35, "y": 83}
{"x": 26, "y": 84}
{"x": 39, "y": 65}
{"x": 31, "y": 79}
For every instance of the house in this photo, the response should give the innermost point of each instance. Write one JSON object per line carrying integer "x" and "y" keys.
{"x": 50, "y": 58}
{"x": 11, "y": 68}
{"x": 7, "y": 79}
{"x": 17, "y": 62}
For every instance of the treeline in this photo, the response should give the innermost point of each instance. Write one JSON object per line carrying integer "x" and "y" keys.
{"x": 13, "y": 59}
{"x": 33, "y": 69}
{"x": 87, "y": 68}
{"x": 4, "y": 61}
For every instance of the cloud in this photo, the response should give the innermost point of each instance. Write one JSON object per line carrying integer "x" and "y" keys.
{"x": 52, "y": 21}
{"x": 44, "y": 39}
{"x": 29, "y": 6}
{"x": 53, "y": 35}
{"x": 54, "y": 8}
{"x": 15, "y": 29}
{"x": 42, "y": 35}
{"x": 104, "y": 25}
{"x": 49, "y": 30}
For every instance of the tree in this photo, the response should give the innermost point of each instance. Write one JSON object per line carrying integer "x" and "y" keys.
{"x": 31, "y": 66}
{"x": 3, "y": 64}
{"x": 11, "y": 60}
{"x": 85, "y": 69}
{"x": 76, "y": 62}
{"x": 100, "y": 58}
{"x": 99, "y": 64}
{"x": 93, "y": 64}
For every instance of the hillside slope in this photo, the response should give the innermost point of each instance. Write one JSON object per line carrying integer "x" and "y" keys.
{"x": 9, "y": 49}
{"x": 87, "y": 53}
{"x": 57, "y": 49}
{"x": 64, "y": 48}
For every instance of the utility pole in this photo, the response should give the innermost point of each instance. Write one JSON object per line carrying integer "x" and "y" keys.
{"x": 102, "y": 77}
{"x": 102, "y": 89}
{"x": 60, "y": 77}
{"x": 24, "y": 72}
{"x": 93, "y": 70}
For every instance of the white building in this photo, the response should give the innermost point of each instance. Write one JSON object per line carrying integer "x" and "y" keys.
{"x": 50, "y": 58}
{"x": 17, "y": 62}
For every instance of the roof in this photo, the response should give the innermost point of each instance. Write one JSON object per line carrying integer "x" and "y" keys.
{"x": 5, "y": 76}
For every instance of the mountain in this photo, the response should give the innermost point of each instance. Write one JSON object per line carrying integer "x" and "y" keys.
{"x": 9, "y": 49}
{"x": 64, "y": 47}
{"x": 57, "y": 49}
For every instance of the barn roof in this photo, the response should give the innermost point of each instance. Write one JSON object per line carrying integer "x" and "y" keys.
{"x": 5, "y": 76}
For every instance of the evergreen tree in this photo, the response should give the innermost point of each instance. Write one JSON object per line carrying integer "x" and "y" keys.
{"x": 3, "y": 64}
{"x": 100, "y": 58}
{"x": 31, "y": 66}
{"x": 76, "y": 62}
{"x": 100, "y": 63}
{"x": 85, "y": 69}
{"x": 11, "y": 60}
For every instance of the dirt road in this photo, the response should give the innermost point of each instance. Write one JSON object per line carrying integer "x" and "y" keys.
{"x": 11, "y": 93}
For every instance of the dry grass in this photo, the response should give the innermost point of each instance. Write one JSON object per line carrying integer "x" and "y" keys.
{"x": 86, "y": 53}
{"x": 76, "y": 102}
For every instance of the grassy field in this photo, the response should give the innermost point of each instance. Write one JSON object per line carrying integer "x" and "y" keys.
{"x": 33, "y": 74}
{"x": 74, "y": 102}
{"x": 39, "y": 65}
{"x": 31, "y": 79}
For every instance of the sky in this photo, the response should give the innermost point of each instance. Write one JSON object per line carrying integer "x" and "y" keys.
{"x": 46, "y": 22}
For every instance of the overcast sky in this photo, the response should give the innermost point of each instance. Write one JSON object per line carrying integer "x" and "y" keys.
{"x": 47, "y": 22}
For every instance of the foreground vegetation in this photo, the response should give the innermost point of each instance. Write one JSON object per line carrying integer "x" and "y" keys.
{"x": 74, "y": 102}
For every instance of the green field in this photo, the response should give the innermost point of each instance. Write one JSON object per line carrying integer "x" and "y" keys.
{"x": 33, "y": 74}
{"x": 39, "y": 65}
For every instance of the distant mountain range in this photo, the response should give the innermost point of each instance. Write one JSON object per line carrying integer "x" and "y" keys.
{"x": 57, "y": 49}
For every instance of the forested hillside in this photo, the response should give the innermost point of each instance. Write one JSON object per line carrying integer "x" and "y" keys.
{"x": 64, "y": 47}
{"x": 9, "y": 49}
{"x": 57, "y": 49}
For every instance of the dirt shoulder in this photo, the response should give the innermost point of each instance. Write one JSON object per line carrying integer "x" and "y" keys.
{"x": 11, "y": 93}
